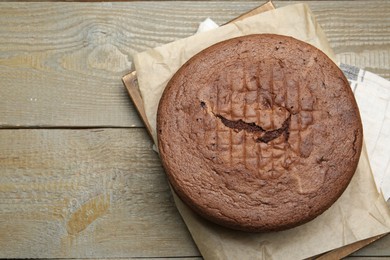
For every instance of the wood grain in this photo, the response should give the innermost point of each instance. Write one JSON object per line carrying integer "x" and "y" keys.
{"x": 61, "y": 63}
{"x": 380, "y": 248}
{"x": 130, "y": 82}
{"x": 348, "y": 250}
{"x": 91, "y": 193}
{"x": 101, "y": 193}
{"x": 86, "y": 193}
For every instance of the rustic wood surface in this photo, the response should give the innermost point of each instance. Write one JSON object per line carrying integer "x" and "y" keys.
{"x": 86, "y": 193}
{"x": 92, "y": 187}
{"x": 61, "y": 63}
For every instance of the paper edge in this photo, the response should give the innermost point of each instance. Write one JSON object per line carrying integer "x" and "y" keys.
{"x": 367, "y": 155}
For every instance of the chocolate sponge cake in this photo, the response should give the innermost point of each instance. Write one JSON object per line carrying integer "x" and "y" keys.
{"x": 259, "y": 133}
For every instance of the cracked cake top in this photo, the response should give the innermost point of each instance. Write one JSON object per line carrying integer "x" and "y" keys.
{"x": 259, "y": 133}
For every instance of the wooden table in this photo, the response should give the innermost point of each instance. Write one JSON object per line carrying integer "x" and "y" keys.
{"x": 78, "y": 177}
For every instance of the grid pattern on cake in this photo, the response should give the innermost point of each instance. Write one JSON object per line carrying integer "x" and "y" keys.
{"x": 243, "y": 93}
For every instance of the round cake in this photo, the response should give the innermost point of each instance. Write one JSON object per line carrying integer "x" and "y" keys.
{"x": 259, "y": 133}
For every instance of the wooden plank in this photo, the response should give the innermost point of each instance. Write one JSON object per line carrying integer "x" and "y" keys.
{"x": 130, "y": 82}
{"x": 380, "y": 248}
{"x": 268, "y": 6}
{"x": 61, "y": 63}
{"x": 348, "y": 250}
{"x": 365, "y": 258}
{"x": 96, "y": 193}
{"x": 358, "y": 31}
{"x": 143, "y": 258}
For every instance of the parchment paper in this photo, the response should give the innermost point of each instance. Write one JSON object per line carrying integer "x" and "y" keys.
{"x": 372, "y": 94}
{"x": 359, "y": 213}
{"x": 156, "y": 66}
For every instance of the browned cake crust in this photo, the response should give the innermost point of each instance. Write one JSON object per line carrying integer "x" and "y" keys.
{"x": 259, "y": 133}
